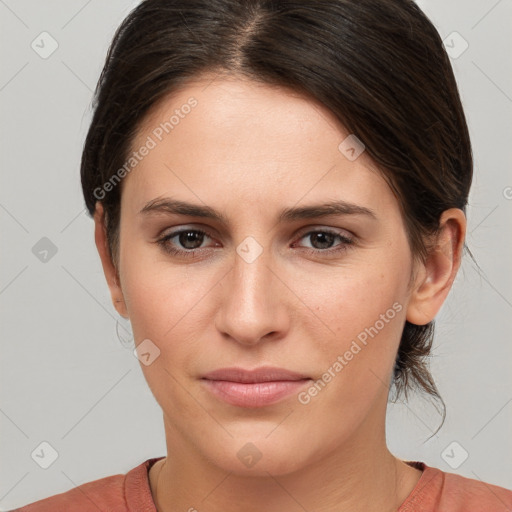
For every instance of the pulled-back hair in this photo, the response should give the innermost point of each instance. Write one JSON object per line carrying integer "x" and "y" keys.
{"x": 378, "y": 65}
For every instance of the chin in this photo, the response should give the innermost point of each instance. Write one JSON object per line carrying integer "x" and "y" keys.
{"x": 259, "y": 456}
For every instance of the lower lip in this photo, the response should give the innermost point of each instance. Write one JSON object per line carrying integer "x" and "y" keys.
{"x": 256, "y": 394}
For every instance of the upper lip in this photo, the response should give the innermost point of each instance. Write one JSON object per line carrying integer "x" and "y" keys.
{"x": 262, "y": 374}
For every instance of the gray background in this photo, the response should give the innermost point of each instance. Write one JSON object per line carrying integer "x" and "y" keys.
{"x": 68, "y": 375}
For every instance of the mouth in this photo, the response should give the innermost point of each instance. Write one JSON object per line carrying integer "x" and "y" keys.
{"x": 253, "y": 388}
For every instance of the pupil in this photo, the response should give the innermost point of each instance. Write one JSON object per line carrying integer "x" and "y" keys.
{"x": 326, "y": 236}
{"x": 189, "y": 236}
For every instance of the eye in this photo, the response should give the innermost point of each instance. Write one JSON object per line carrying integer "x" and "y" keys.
{"x": 188, "y": 238}
{"x": 322, "y": 241}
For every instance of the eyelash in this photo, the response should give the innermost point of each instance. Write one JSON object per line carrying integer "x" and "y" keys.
{"x": 191, "y": 253}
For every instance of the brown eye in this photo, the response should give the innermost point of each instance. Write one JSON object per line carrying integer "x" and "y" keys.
{"x": 321, "y": 240}
{"x": 186, "y": 241}
{"x": 324, "y": 241}
{"x": 190, "y": 238}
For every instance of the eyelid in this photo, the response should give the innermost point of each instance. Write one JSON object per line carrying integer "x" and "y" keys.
{"x": 183, "y": 229}
{"x": 319, "y": 227}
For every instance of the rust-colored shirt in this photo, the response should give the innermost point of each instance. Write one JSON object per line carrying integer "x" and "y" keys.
{"x": 436, "y": 491}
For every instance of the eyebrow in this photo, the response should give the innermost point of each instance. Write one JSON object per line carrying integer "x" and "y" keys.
{"x": 168, "y": 205}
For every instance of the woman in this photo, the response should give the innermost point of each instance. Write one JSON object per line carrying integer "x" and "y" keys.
{"x": 279, "y": 192}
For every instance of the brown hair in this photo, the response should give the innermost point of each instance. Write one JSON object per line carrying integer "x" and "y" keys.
{"x": 378, "y": 65}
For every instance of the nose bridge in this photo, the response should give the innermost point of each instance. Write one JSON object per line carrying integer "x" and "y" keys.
{"x": 252, "y": 278}
{"x": 251, "y": 273}
{"x": 250, "y": 306}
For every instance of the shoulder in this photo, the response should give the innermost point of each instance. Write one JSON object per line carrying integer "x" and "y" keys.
{"x": 116, "y": 493}
{"x": 105, "y": 493}
{"x": 438, "y": 490}
{"x": 470, "y": 494}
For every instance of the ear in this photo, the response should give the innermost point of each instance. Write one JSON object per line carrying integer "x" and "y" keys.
{"x": 435, "y": 276}
{"x": 111, "y": 274}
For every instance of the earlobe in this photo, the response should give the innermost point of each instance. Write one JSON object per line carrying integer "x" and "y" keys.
{"x": 436, "y": 275}
{"x": 111, "y": 274}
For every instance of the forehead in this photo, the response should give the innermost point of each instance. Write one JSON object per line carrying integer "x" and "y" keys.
{"x": 226, "y": 137}
{"x": 249, "y": 111}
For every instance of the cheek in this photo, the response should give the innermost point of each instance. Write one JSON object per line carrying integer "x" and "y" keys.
{"x": 155, "y": 297}
{"x": 355, "y": 300}
{"x": 357, "y": 363}
{"x": 169, "y": 305}
{"x": 365, "y": 314}
{"x": 164, "y": 306}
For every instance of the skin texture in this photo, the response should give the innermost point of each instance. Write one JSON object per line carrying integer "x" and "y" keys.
{"x": 249, "y": 150}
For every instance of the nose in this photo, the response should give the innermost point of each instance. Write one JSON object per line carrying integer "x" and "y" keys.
{"x": 253, "y": 303}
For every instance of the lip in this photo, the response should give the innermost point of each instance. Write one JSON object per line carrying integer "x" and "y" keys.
{"x": 262, "y": 374}
{"x": 253, "y": 388}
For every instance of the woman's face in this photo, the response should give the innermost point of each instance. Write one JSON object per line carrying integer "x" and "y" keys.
{"x": 271, "y": 283}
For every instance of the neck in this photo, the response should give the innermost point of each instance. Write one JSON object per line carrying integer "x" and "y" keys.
{"x": 360, "y": 475}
